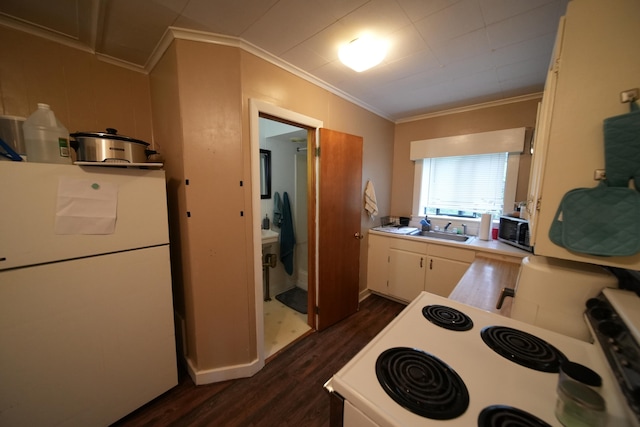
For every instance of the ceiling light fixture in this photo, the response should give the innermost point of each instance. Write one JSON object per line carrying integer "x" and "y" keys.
{"x": 363, "y": 53}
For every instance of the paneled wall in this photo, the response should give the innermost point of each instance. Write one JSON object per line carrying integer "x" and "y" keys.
{"x": 85, "y": 93}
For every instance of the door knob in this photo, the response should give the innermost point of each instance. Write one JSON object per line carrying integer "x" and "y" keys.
{"x": 358, "y": 236}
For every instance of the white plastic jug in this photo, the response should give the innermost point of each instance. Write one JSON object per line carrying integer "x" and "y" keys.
{"x": 45, "y": 138}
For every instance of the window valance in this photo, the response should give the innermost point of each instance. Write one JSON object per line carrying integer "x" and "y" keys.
{"x": 499, "y": 141}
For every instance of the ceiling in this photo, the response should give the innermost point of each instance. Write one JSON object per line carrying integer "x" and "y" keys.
{"x": 443, "y": 54}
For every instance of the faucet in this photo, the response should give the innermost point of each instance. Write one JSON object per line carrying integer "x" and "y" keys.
{"x": 464, "y": 229}
{"x": 446, "y": 227}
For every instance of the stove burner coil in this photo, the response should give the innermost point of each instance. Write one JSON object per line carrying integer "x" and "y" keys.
{"x": 523, "y": 348}
{"x": 447, "y": 317}
{"x": 507, "y": 416}
{"x": 422, "y": 383}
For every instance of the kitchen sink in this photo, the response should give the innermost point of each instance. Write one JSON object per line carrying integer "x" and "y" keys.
{"x": 446, "y": 236}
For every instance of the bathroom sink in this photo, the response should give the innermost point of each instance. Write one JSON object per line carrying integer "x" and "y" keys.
{"x": 446, "y": 236}
{"x": 269, "y": 236}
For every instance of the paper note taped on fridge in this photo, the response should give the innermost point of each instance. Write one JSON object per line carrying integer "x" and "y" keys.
{"x": 86, "y": 206}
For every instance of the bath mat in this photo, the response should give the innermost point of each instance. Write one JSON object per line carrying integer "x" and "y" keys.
{"x": 294, "y": 298}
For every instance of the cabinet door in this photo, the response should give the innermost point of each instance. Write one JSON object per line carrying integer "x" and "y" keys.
{"x": 543, "y": 128}
{"x": 443, "y": 275}
{"x": 406, "y": 273}
{"x": 584, "y": 96}
{"x": 377, "y": 263}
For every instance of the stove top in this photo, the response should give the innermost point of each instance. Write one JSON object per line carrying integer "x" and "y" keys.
{"x": 507, "y": 416}
{"x": 496, "y": 387}
{"x": 422, "y": 383}
{"x": 523, "y": 348}
{"x": 447, "y": 317}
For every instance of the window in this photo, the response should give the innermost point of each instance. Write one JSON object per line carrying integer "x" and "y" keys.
{"x": 466, "y": 175}
{"x": 465, "y": 186}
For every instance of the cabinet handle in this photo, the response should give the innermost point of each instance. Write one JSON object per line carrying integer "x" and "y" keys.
{"x": 431, "y": 264}
{"x": 421, "y": 259}
{"x": 506, "y": 292}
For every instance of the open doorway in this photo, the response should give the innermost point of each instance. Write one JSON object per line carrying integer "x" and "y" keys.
{"x": 334, "y": 211}
{"x": 289, "y": 139}
{"x": 284, "y": 214}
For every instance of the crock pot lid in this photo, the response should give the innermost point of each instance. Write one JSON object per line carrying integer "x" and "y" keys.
{"x": 109, "y": 134}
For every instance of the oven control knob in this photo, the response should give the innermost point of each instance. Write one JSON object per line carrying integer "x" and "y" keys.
{"x": 593, "y": 302}
{"x": 610, "y": 329}
{"x": 600, "y": 313}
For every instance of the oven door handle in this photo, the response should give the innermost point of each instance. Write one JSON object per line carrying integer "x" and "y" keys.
{"x": 505, "y": 292}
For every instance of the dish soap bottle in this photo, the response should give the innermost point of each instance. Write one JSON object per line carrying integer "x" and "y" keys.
{"x": 426, "y": 224}
{"x": 265, "y": 222}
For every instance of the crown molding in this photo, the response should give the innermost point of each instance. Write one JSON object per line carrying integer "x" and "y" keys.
{"x": 173, "y": 33}
{"x": 34, "y": 30}
{"x": 120, "y": 63}
{"x": 467, "y": 108}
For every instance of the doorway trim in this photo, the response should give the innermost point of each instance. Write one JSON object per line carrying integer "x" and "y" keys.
{"x": 257, "y": 107}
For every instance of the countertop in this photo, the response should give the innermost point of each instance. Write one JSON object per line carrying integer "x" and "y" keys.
{"x": 488, "y": 246}
{"x": 496, "y": 266}
{"x": 481, "y": 285}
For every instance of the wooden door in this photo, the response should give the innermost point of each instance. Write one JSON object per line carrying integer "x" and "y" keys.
{"x": 340, "y": 208}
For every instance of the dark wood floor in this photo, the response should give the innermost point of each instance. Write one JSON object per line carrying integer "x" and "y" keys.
{"x": 286, "y": 392}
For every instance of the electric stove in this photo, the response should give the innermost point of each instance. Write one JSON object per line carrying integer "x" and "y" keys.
{"x": 441, "y": 362}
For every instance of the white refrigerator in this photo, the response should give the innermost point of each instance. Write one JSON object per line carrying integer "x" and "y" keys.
{"x": 86, "y": 311}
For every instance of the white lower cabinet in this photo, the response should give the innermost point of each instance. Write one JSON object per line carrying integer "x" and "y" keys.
{"x": 378, "y": 263}
{"x": 446, "y": 266}
{"x": 444, "y": 274}
{"x": 406, "y": 273}
{"x": 403, "y": 268}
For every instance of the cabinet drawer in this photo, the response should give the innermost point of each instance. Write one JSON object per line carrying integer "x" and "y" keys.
{"x": 409, "y": 246}
{"x": 448, "y": 252}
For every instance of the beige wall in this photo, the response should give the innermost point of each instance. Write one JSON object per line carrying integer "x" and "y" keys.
{"x": 197, "y": 107}
{"x": 193, "y": 107}
{"x": 209, "y": 104}
{"x": 513, "y": 115}
{"x": 165, "y": 101}
{"x": 85, "y": 94}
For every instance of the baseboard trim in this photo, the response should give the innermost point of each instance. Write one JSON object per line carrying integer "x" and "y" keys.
{"x": 209, "y": 376}
{"x": 363, "y": 295}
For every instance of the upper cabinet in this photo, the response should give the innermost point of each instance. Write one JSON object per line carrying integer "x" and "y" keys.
{"x": 541, "y": 136}
{"x": 594, "y": 61}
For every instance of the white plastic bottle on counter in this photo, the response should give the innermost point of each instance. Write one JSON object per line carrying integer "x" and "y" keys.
{"x": 45, "y": 138}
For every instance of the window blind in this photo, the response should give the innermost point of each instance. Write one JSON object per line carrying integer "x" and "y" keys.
{"x": 468, "y": 183}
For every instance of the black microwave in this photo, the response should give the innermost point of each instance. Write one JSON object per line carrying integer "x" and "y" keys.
{"x": 514, "y": 231}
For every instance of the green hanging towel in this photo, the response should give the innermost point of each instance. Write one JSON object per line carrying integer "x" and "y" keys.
{"x": 605, "y": 220}
{"x": 622, "y": 148}
{"x": 287, "y": 237}
{"x": 602, "y": 221}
